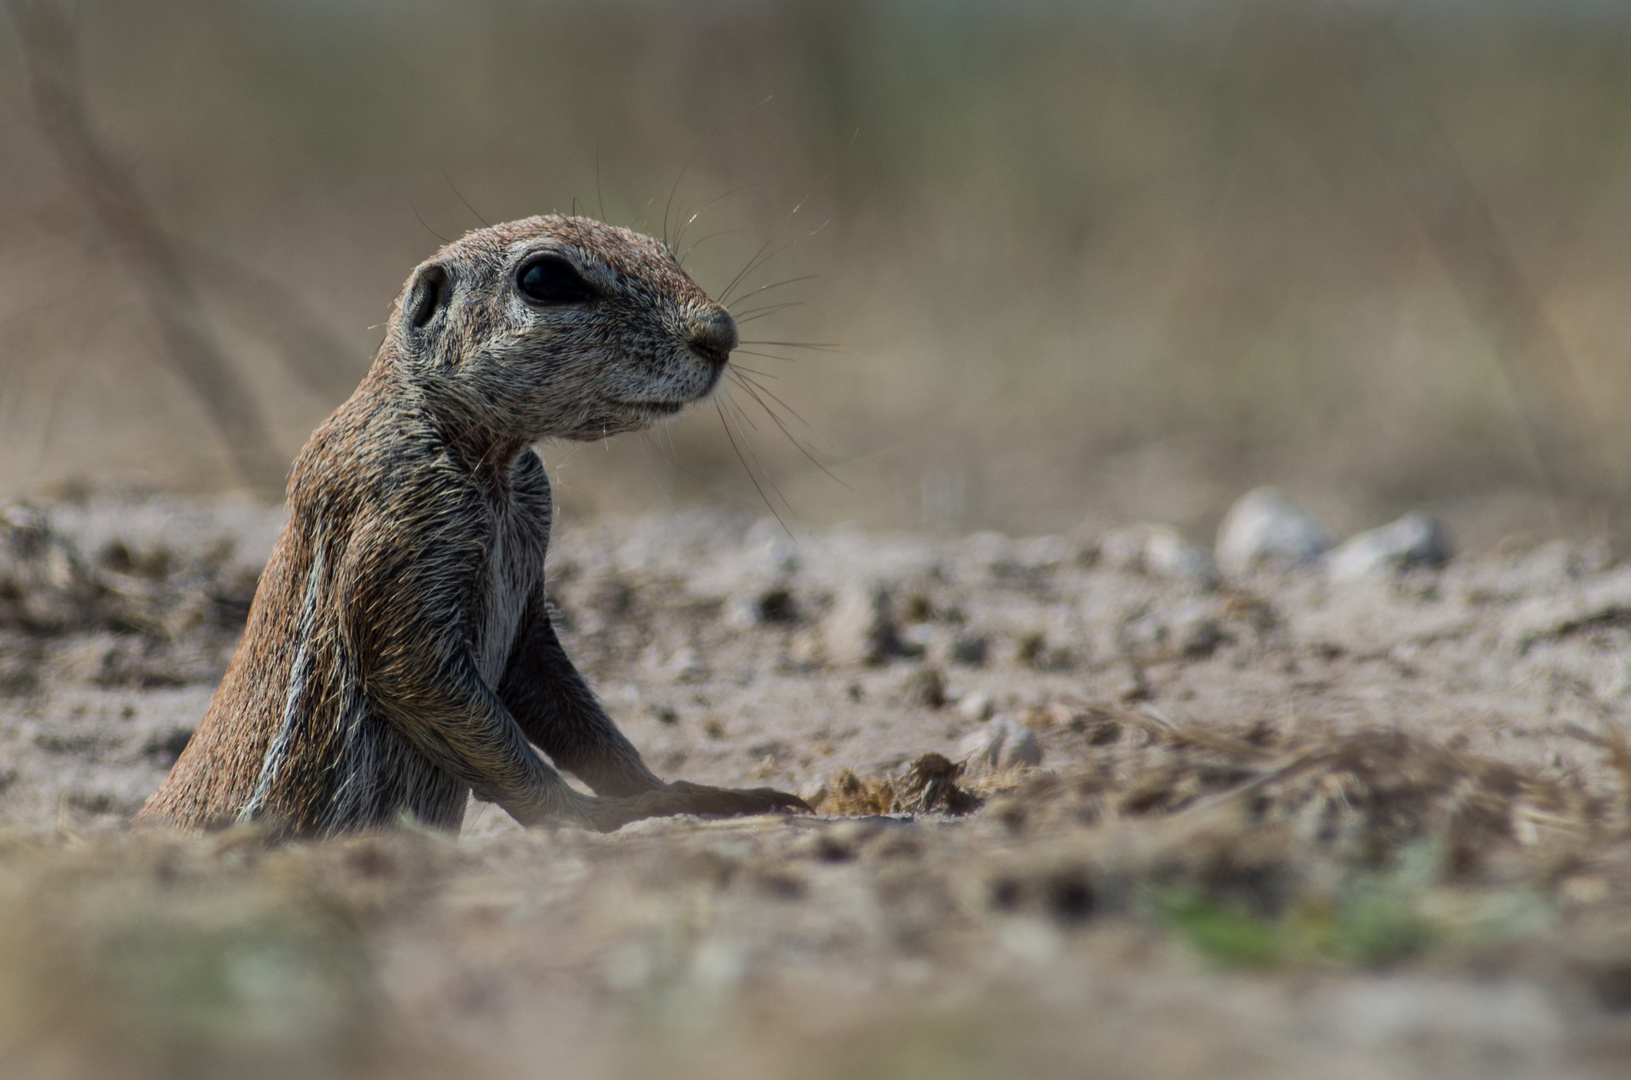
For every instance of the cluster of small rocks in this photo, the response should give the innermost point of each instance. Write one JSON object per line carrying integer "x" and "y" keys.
{"x": 1266, "y": 531}
{"x": 1052, "y": 607}
{"x": 874, "y": 622}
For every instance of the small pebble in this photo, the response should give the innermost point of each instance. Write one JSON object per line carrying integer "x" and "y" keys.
{"x": 1156, "y": 550}
{"x": 1004, "y": 743}
{"x": 768, "y": 549}
{"x": 1263, "y": 528}
{"x": 976, "y": 707}
{"x": 925, "y": 687}
{"x": 1195, "y": 630}
{"x": 1191, "y": 629}
{"x": 970, "y": 649}
{"x": 860, "y": 630}
{"x": 687, "y": 666}
{"x": 1414, "y": 539}
{"x": 917, "y": 639}
{"x": 761, "y": 607}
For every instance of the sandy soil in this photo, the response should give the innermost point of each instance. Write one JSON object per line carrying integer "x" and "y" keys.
{"x": 1274, "y": 826}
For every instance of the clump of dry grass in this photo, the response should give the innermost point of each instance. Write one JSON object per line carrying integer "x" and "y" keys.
{"x": 1355, "y": 847}
{"x": 1361, "y": 847}
{"x": 1368, "y": 793}
{"x": 928, "y": 785}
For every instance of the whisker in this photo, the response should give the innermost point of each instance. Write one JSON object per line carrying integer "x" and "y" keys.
{"x": 599, "y": 198}
{"x": 647, "y": 441}
{"x": 774, "y": 285}
{"x": 819, "y": 346}
{"x": 464, "y": 200}
{"x": 803, "y": 448}
{"x": 700, "y": 146}
{"x": 668, "y": 433}
{"x": 738, "y": 368}
{"x": 769, "y": 309}
{"x": 747, "y": 442}
{"x": 759, "y": 256}
{"x": 761, "y": 259}
{"x": 421, "y": 218}
{"x": 790, "y": 436}
{"x": 773, "y": 485}
{"x": 727, "y": 425}
{"x": 709, "y": 205}
{"x": 676, "y": 188}
{"x": 741, "y": 416}
{"x": 704, "y": 240}
{"x": 745, "y": 270}
{"x": 766, "y": 391}
{"x": 754, "y": 318}
{"x": 767, "y": 356}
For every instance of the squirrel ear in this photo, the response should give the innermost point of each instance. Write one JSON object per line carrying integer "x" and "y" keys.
{"x": 427, "y": 293}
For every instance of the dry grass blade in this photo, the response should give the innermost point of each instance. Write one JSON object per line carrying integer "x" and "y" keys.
{"x": 1461, "y": 227}
{"x": 318, "y": 357}
{"x": 930, "y": 784}
{"x": 50, "y": 51}
{"x": 1619, "y": 754}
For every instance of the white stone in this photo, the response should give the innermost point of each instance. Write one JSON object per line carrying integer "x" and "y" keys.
{"x": 768, "y": 549}
{"x": 976, "y": 707}
{"x": 1414, "y": 538}
{"x": 1003, "y": 743}
{"x": 686, "y": 665}
{"x": 1157, "y": 550}
{"x": 1264, "y": 527}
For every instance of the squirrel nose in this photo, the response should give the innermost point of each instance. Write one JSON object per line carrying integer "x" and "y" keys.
{"x": 712, "y": 336}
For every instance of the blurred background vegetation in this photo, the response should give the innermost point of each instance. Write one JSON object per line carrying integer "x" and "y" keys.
{"x": 1086, "y": 263}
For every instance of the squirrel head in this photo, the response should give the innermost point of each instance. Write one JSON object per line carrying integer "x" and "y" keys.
{"x": 556, "y": 327}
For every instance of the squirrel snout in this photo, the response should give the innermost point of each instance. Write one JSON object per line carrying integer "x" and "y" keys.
{"x": 712, "y": 336}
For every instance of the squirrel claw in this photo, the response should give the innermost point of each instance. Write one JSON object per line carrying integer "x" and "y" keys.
{"x": 733, "y": 802}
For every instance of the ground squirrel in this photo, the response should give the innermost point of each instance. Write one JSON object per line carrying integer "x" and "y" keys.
{"x": 399, "y": 653}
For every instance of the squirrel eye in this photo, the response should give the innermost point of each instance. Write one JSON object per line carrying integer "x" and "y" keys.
{"x": 550, "y": 279}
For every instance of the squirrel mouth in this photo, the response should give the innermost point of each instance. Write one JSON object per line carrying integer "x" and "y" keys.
{"x": 660, "y": 407}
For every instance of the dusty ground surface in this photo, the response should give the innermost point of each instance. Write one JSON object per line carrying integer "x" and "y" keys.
{"x": 1273, "y": 826}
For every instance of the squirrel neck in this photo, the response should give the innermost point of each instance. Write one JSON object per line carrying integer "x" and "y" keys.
{"x": 478, "y": 436}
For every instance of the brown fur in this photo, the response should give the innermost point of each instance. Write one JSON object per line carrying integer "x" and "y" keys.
{"x": 399, "y": 652}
